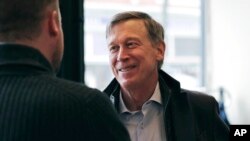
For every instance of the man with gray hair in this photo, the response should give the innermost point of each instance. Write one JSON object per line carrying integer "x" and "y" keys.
{"x": 152, "y": 104}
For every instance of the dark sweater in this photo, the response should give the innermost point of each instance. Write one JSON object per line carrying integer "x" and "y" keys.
{"x": 35, "y": 105}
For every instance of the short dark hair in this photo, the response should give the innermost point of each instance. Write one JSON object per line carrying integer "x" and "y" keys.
{"x": 20, "y": 19}
{"x": 154, "y": 29}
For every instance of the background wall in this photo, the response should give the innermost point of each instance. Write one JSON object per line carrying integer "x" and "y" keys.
{"x": 228, "y": 54}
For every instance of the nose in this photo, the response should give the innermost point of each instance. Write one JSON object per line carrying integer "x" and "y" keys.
{"x": 122, "y": 54}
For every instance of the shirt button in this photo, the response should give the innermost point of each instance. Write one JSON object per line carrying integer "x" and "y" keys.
{"x": 127, "y": 118}
{"x": 141, "y": 125}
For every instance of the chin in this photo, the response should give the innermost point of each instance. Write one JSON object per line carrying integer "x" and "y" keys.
{"x": 127, "y": 84}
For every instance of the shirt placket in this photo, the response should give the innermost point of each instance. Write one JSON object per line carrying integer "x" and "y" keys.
{"x": 140, "y": 126}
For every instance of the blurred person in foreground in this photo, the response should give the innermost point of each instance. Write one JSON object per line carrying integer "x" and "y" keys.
{"x": 152, "y": 104}
{"x": 35, "y": 105}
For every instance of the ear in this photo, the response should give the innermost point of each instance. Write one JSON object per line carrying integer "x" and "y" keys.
{"x": 53, "y": 23}
{"x": 160, "y": 51}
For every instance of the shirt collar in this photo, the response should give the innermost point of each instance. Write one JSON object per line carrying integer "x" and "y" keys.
{"x": 155, "y": 97}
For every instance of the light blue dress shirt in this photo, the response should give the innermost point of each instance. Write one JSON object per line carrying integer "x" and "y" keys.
{"x": 148, "y": 123}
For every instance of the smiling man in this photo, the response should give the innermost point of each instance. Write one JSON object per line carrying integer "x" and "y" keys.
{"x": 151, "y": 104}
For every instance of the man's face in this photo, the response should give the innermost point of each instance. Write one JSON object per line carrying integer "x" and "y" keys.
{"x": 133, "y": 57}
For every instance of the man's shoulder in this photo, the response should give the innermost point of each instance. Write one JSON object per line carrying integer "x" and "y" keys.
{"x": 198, "y": 99}
{"x": 68, "y": 88}
{"x": 65, "y": 84}
{"x": 196, "y": 94}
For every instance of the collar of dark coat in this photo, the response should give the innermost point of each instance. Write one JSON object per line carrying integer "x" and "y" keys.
{"x": 168, "y": 87}
{"x": 17, "y": 57}
{"x": 178, "y": 116}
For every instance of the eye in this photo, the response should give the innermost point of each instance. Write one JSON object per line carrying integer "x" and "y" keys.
{"x": 132, "y": 44}
{"x": 113, "y": 49}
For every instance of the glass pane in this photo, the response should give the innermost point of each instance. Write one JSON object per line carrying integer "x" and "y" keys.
{"x": 181, "y": 20}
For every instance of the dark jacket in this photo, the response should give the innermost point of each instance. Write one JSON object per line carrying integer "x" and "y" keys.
{"x": 188, "y": 115}
{"x": 35, "y": 105}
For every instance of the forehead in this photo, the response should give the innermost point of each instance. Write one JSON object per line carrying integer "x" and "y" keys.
{"x": 132, "y": 27}
{"x": 132, "y": 24}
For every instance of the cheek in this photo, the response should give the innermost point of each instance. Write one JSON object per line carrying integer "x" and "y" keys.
{"x": 112, "y": 64}
{"x": 112, "y": 60}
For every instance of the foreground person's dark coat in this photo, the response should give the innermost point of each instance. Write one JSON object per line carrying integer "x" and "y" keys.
{"x": 37, "y": 106}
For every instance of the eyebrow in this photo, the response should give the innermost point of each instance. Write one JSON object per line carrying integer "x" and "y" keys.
{"x": 127, "y": 39}
{"x": 132, "y": 38}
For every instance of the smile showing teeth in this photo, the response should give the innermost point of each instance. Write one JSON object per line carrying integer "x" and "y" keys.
{"x": 125, "y": 69}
